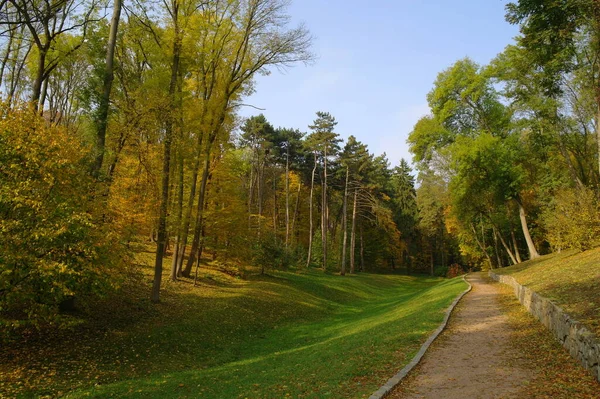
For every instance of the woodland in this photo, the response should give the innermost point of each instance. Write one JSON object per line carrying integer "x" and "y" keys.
{"x": 120, "y": 131}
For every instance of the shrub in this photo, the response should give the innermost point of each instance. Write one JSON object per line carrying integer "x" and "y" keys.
{"x": 51, "y": 248}
{"x": 455, "y": 270}
{"x": 271, "y": 253}
{"x": 440, "y": 271}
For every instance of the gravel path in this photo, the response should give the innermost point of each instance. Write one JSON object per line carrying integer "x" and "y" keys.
{"x": 473, "y": 358}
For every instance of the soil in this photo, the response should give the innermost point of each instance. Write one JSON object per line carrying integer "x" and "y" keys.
{"x": 474, "y": 357}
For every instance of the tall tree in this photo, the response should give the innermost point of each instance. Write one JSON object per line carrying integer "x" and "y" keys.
{"x": 47, "y": 22}
{"x": 103, "y": 107}
{"x": 551, "y": 32}
{"x": 258, "y": 39}
{"x": 173, "y": 8}
{"x": 327, "y": 141}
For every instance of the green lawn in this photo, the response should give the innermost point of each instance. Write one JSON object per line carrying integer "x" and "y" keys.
{"x": 307, "y": 335}
{"x": 571, "y": 279}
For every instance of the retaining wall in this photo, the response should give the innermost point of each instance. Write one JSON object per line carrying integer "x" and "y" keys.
{"x": 582, "y": 344}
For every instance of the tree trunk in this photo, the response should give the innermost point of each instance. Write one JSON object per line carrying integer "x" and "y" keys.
{"x": 178, "y": 221}
{"x": 164, "y": 200}
{"x": 432, "y": 260}
{"x": 198, "y": 257}
{"x": 507, "y": 248}
{"x": 480, "y": 245}
{"x": 296, "y": 210}
{"x": 287, "y": 196}
{"x": 250, "y": 195}
{"x": 187, "y": 216}
{"x": 598, "y": 122}
{"x": 275, "y": 210}
{"x": 310, "y": 212}
{"x": 260, "y": 188}
{"x": 533, "y": 253}
{"x": 36, "y": 88}
{"x": 515, "y": 246}
{"x": 43, "y": 96}
{"x": 7, "y": 54}
{"x": 345, "y": 223}
{"x": 496, "y": 251}
{"x": 17, "y": 65}
{"x": 103, "y": 106}
{"x": 199, "y": 215}
{"x": 324, "y": 212}
{"x": 353, "y": 232}
{"x": 362, "y": 250}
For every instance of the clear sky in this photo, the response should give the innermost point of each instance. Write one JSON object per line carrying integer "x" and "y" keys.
{"x": 376, "y": 62}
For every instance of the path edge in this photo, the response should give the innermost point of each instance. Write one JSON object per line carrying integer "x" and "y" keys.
{"x": 581, "y": 343}
{"x": 395, "y": 380}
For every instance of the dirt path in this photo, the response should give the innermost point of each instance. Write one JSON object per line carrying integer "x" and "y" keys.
{"x": 473, "y": 358}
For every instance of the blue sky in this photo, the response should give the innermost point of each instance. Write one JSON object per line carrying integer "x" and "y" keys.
{"x": 376, "y": 62}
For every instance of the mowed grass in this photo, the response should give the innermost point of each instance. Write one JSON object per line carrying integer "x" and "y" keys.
{"x": 570, "y": 279}
{"x": 300, "y": 335}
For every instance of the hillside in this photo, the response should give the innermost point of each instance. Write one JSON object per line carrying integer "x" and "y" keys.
{"x": 300, "y": 334}
{"x": 571, "y": 279}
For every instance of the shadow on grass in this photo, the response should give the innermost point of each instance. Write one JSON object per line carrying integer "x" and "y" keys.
{"x": 224, "y": 333}
{"x": 274, "y": 362}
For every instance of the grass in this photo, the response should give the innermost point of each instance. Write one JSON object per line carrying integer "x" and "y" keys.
{"x": 301, "y": 335}
{"x": 570, "y": 279}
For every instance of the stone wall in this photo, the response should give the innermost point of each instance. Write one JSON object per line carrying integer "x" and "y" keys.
{"x": 582, "y": 344}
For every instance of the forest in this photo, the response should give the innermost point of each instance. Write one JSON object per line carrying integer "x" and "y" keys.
{"x": 120, "y": 129}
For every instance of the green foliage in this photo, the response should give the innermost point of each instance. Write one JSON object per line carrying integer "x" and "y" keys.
{"x": 440, "y": 271}
{"x": 486, "y": 166}
{"x": 51, "y": 246}
{"x": 465, "y": 101}
{"x": 427, "y": 137}
{"x": 271, "y": 253}
{"x": 572, "y": 220}
{"x": 549, "y": 30}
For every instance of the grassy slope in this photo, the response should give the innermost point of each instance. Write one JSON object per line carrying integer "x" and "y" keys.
{"x": 571, "y": 279}
{"x": 302, "y": 335}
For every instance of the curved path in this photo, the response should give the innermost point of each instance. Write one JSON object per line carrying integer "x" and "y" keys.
{"x": 473, "y": 358}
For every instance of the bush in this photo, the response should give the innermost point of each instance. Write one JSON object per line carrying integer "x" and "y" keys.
{"x": 573, "y": 219}
{"x": 271, "y": 253}
{"x": 455, "y": 270}
{"x": 51, "y": 248}
{"x": 440, "y": 271}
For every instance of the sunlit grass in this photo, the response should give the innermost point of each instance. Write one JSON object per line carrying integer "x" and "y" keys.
{"x": 304, "y": 335}
{"x": 571, "y": 279}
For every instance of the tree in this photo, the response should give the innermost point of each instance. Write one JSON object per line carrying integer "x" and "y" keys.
{"x": 103, "y": 107}
{"x": 431, "y": 196}
{"x": 258, "y": 136}
{"x": 355, "y": 158}
{"x": 551, "y": 33}
{"x": 173, "y": 10}
{"x": 46, "y": 23}
{"x": 257, "y": 39}
{"x": 404, "y": 205}
{"x": 468, "y": 112}
{"x": 326, "y": 141}
{"x": 288, "y": 143}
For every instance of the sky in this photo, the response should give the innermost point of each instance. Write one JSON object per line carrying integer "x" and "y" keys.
{"x": 376, "y": 61}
